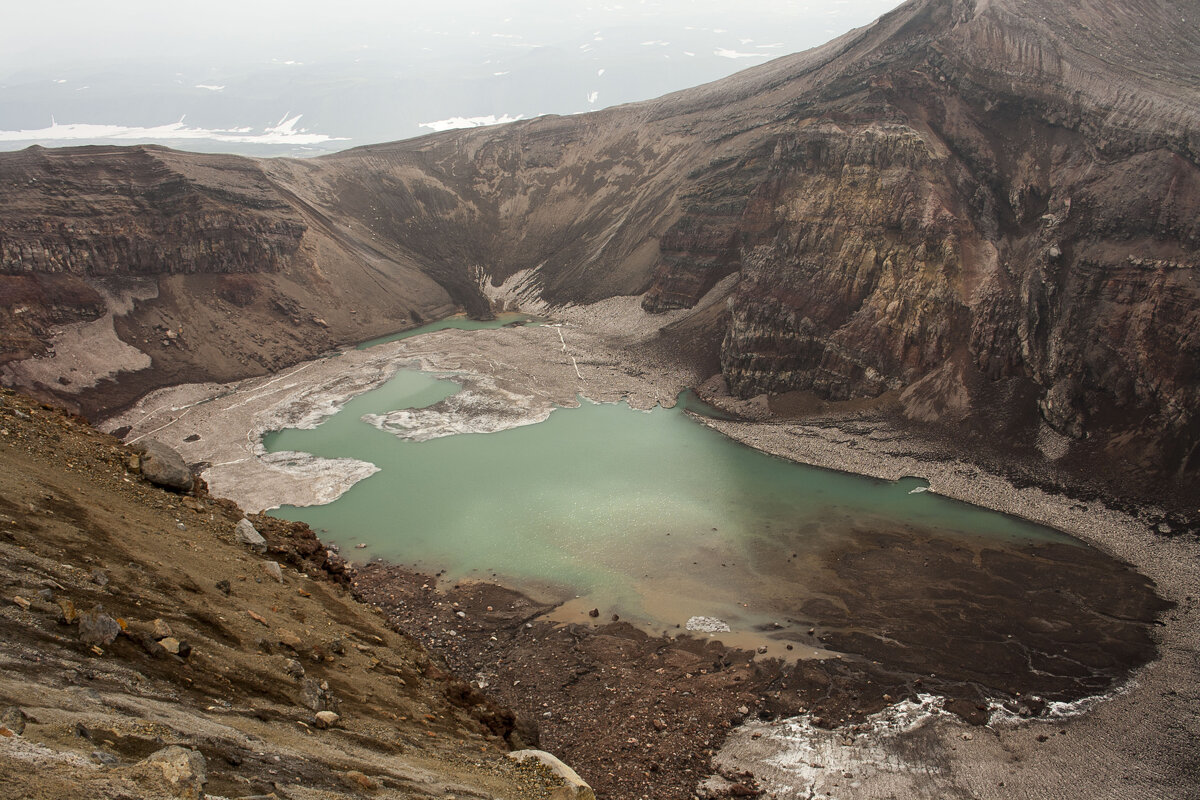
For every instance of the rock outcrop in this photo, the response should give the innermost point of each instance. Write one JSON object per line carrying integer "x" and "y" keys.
{"x": 984, "y": 214}
{"x": 162, "y": 465}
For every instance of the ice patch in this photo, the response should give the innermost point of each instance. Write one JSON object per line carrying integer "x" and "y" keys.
{"x": 481, "y": 407}
{"x": 919, "y": 490}
{"x": 593, "y": 96}
{"x": 707, "y": 625}
{"x": 305, "y": 405}
{"x": 999, "y": 714}
{"x": 327, "y": 478}
{"x": 796, "y": 758}
{"x": 210, "y": 87}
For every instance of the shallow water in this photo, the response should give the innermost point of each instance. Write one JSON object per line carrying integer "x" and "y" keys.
{"x": 650, "y": 515}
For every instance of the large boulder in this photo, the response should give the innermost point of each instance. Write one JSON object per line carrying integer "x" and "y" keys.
{"x": 248, "y": 535}
{"x": 97, "y": 627}
{"x": 162, "y": 466}
{"x": 174, "y": 771}
{"x": 573, "y": 788}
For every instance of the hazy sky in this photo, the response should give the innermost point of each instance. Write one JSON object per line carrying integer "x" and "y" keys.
{"x": 291, "y": 75}
{"x": 36, "y": 33}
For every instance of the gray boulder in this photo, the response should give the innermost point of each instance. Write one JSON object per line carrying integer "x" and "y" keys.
{"x": 248, "y": 535}
{"x": 97, "y": 627}
{"x": 13, "y": 718}
{"x": 182, "y": 769}
{"x": 162, "y": 466}
{"x": 573, "y": 788}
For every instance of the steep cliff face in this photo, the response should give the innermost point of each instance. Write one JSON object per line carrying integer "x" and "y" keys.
{"x": 991, "y": 210}
{"x": 125, "y": 269}
{"x": 985, "y": 212}
{"x": 107, "y": 211}
{"x": 854, "y": 288}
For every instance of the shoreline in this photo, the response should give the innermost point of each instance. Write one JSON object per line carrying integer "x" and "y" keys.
{"x": 1151, "y": 762}
{"x": 581, "y": 361}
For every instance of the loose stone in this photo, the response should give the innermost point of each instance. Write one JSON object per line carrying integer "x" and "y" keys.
{"x": 248, "y": 535}
{"x": 97, "y": 627}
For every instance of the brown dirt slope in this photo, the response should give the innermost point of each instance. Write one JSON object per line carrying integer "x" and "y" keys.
{"x": 250, "y": 661}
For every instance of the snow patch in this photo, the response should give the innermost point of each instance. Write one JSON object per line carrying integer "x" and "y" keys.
{"x": 796, "y": 758}
{"x": 725, "y": 52}
{"x": 1056, "y": 710}
{"x": 327, "y": 478}
{"x": 454, "y": 123}
{"x": 480, "y": 407}
{"x": 284, "y": 132}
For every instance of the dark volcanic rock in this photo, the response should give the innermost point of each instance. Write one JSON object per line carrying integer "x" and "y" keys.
{"x": 97, "y": 627}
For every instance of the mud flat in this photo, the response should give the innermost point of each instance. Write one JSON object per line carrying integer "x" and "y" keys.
{"x": 1141, "y": 742}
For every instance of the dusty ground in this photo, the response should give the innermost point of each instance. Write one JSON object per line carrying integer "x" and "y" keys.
{"x": 258, "y": 657}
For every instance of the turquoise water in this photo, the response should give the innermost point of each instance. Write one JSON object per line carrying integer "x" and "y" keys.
{"x": 647, "y": 514}
{"x": 458, "y": 322}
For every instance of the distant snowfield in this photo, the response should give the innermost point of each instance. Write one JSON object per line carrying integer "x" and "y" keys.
{"x": 724, "y": 52}
{"x": 469, "y": 122}
{"x": 284, "y": 132}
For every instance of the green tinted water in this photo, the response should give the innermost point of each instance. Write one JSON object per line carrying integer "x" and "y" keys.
{"x": 648, "y": 514}
{"x": 458, "y": 322}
